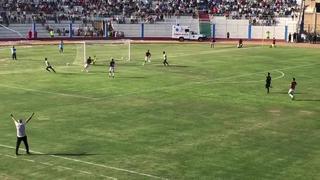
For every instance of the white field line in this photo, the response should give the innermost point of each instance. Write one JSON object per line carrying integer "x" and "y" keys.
{"x": 94, "y": 164}
{"x": 48, "y": 92}
{"x": 46, "y": 163}
{"x": 84, "y": 172}
{"x": 30, "y": 160}
{"x": 66, "y": 168}
{"x": 61, "y": 167}
{"x": 10, "y": 156}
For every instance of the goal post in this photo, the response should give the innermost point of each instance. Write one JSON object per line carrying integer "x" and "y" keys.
{"x": 105, "y": 50}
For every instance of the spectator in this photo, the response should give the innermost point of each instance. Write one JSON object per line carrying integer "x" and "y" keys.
{"x": 51, "y": 33}
{"x": 289, "y": 38}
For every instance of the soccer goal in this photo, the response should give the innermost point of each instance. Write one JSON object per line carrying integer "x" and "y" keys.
{"x": 104, "y": 51}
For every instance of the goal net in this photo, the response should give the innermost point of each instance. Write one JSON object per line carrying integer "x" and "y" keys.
{"x": 104, "y": 51}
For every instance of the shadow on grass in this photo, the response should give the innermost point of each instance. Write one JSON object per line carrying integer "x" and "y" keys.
{"x": 172, "y": 65}
{"x": 283, "y": 92}
{"x": 307, "y": 100}
{"x": 131, "y": 77}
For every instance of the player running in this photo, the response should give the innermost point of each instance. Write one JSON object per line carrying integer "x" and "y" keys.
{"x": 111, "y": 68}
{"x": 165, "y": 60}
{"x": 292, "y": 88}
{"x": 87, "y": 64}
{"x": 268, "y": 82}
{"x": 48, "y": 65}
{"x": 240, "y": 44}
{"x": 147, "y": 58}
{"x": 213, "y": 40}
{"x": 61, "y": 45}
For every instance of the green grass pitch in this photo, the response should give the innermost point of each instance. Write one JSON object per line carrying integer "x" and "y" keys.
{"x": 207, "y": 116}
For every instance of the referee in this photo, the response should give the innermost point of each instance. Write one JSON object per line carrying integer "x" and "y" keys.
{"x": 268, "y": 82}
{"x": 21, "y": 132}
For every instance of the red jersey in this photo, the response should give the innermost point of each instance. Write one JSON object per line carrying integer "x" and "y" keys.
{"x": 293, "y": 85}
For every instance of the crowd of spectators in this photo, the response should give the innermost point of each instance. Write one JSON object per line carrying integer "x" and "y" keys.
{"x": 257, "y": 11}
{"x": 134, "y": 11}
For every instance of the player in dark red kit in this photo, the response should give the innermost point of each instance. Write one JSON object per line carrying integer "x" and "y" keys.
{"x": 292, "y": 88}
{"x": 268, "y": 82}
{"x": 165, "y": 59}
{"x": 147, "y": 58}
{"x": 273, "y": 45}
{"x": 112, "y": 66}
{"x": 213, "y": 40}
{"x": 87, "y": 64}
{"x": 240, "y": 44}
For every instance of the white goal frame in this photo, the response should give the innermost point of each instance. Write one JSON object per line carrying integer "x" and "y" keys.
{"x": 122, "y": 41}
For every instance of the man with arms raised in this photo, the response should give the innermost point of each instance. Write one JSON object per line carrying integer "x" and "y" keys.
{"x": 21, "y": 132}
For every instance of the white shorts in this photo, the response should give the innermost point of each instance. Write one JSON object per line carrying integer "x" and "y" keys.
{"x": 86, "y": 66}
{"x": 291, "y": 91}
{"x": 147, "y": 59}
{"x": 111, "y": 69}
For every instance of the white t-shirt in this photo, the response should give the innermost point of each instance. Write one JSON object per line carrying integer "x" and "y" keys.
{"x": 13, "y": 50}
{"x": 21, "y": 129}
{"x": 165, "y": 57}
{"x": 47, "y": 63}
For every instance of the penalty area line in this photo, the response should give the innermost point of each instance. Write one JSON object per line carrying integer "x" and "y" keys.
{"x": 93, "y": 164}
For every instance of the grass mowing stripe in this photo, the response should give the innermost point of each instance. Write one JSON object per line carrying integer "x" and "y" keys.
{"x": 48, "y": 92}
{"x": 91, "y": 163}
{"x": 249, "y": 82}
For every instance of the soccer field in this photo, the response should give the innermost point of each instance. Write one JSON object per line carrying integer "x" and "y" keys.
{"x": 206, "y": 116}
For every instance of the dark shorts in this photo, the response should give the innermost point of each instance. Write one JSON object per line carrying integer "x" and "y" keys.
{"x": 268, "y": 85}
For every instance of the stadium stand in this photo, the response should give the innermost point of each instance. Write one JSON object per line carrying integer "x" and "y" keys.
{"x": 56, "y": 15}
{"x": 128, "y": 11}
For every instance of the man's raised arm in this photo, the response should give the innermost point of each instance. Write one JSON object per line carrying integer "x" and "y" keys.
{"x": 14, "y": 119}
{"x": 30, "y": 117}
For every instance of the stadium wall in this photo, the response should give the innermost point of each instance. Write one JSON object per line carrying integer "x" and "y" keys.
{"x": 242, "y": 29}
